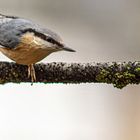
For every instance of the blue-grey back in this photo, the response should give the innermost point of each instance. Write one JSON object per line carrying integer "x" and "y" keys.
{"x": 12, "y": 28}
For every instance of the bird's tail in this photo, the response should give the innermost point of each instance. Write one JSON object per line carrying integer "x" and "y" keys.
{"x": 65, "y": 48}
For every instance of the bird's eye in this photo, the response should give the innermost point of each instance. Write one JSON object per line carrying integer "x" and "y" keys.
{"x": 50, "y": 40}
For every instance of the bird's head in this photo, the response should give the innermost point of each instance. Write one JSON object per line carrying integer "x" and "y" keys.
{"x": 55, "y": 41}
{"x": 50, "y": 39}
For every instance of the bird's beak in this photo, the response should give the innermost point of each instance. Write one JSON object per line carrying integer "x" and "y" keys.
{"x": 67, "y": 48}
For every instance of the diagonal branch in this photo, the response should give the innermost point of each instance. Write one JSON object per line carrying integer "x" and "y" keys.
{"x": 118, "y": 74}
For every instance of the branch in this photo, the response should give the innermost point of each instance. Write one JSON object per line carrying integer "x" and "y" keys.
{"x": 118, "y": 74}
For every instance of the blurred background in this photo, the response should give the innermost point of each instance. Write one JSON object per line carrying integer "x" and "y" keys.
{"x": 100, "y": 31}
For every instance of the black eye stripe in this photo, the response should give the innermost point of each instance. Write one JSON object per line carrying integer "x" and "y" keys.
{"x": 51, "y": 40}
{"x": 35, "y": 32}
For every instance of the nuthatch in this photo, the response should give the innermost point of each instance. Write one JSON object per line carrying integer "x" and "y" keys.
{"x": 27, "y": 43}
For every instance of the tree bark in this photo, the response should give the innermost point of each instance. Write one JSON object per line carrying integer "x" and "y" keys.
{"x": 119, "y": 74}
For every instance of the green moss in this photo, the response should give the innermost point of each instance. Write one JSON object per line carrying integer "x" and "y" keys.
{"x": 122, "y": 79}
{"x": 137, "y": 69}
{"x": 119, "y": 79}
{"x": 129, "y": 75}
{"x": 103, "y": 76}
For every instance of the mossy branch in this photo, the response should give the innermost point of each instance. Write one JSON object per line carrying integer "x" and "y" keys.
{"x": 118, "y": 74}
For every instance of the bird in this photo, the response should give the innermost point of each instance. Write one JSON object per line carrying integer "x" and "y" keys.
{"x": 27, "y": 43}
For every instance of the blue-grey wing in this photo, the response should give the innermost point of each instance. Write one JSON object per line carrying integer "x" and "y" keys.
{"x": 8, "y": 38}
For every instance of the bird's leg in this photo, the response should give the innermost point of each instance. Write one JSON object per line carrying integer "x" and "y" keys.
{"x": 31, "y": 73}
{"x": 33, "y": 76}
